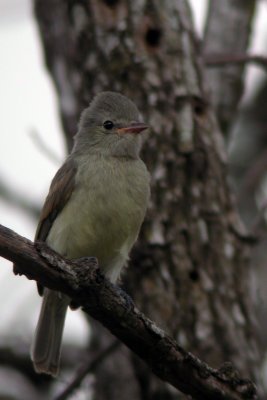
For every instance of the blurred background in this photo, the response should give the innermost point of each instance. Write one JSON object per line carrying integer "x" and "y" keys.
{"x": 32, "y": 148}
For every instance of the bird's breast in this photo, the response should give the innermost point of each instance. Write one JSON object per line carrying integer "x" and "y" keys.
{"x": 105, "y": 211}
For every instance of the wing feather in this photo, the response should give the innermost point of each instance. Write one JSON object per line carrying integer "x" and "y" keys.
{"x": 60, "y": 191}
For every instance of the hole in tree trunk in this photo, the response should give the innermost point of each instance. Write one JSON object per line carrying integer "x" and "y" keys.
{"x": 194, "y": 275}
{"x": 153, "y": 37}
{"x": 200, "y": 106}
{"x": 111, "y": 3}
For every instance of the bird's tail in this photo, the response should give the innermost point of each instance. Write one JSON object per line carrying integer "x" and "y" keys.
{"x": 46, "y": 347}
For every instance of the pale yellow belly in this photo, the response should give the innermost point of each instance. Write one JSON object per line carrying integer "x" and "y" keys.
{"x": 104, "y": 214}
{"x": 95, "y": 226}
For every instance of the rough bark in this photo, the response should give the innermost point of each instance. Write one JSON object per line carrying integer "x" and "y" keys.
{"x": 192, "y": 276}
{"x": 248, "y": 166}
{"x": 82, "y": 281}
{"x": 227, "y": 32}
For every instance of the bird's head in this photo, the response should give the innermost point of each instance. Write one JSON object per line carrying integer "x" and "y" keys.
{"x": 111, "y": 125}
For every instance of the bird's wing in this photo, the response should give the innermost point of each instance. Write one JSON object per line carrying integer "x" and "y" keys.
{"x": 60, "y": 191}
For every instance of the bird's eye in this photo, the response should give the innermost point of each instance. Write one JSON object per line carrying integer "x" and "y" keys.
{"x": 108, "y": 125}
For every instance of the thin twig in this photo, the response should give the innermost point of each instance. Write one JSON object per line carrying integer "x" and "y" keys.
{"x": 86, "y": 369}
{"x": 43, "y": 148}
{"x": 8, "y": 194}
{"x": 220, "y": 60}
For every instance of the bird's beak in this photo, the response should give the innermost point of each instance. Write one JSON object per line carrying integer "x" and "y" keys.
{"x": 134, "y": 127}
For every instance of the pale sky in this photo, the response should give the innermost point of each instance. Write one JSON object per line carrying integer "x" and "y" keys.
{"x": 27, "y": 103}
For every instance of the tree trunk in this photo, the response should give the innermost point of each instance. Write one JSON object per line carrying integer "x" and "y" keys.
{"x": 227, "y": 32}
{"x": 190, "y": 268}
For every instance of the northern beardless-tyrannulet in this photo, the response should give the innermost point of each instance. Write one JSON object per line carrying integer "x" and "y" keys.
{"x": 95, "y": 207}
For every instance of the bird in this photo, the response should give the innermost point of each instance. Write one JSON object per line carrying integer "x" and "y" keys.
{"x": 95, "y": 207}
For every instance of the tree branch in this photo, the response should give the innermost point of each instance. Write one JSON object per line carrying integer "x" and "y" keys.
{"x": 227, "y": 84}
{"x": 85, "y": 369}
{"x": 15, "y": 354}
{"x": 84, "y": 283}
{"x": 224, "y": 59}
{"x": 14, "y": 198}
{"x": 43, "y": 148}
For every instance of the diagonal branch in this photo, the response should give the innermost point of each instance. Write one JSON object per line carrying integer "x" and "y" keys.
{"x": 14, "y": 198}
{"x": 87, "y": 368}
{"x": 87, "y": 287}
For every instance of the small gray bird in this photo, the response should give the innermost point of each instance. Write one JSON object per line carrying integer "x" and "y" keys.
{"x": 95, "y": 207}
